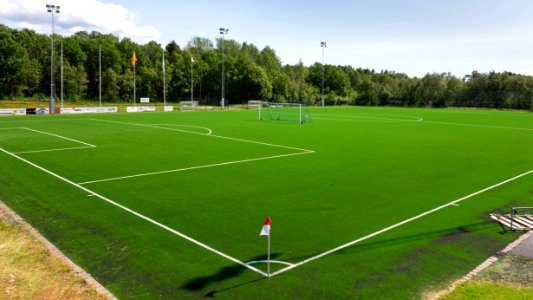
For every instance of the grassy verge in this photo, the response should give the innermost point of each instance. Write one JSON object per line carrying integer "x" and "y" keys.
{"x": 475, "y": 289}
{"x": 29, "y": 271}
{"x": 511, "y": 277}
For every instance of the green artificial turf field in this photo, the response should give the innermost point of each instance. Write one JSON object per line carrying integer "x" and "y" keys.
{"x": 170, "y": 205}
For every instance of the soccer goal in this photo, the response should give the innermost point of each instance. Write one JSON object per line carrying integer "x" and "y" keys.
{"x": 254, "y": 104}
{"x": 291, "y": 112}
{"x": 188, "y": 105}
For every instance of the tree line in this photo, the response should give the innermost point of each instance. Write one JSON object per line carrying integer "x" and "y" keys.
{"x": 251, "y": 74}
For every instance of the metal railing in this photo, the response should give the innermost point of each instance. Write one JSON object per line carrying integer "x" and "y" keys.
{"x": 516, "y": 212}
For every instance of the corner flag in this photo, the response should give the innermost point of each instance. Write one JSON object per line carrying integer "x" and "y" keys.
{"x": 266, "y": 228}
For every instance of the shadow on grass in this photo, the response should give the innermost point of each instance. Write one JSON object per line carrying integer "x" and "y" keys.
{"x": 447, "y": 235}
{"x": 212, "y": 294}
{"x": 199, "y": 283}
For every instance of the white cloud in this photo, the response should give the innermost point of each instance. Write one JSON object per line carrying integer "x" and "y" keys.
{"x": 76, "y": 15}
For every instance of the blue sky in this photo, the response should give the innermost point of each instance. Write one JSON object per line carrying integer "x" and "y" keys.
{"x": 409, "y": 36}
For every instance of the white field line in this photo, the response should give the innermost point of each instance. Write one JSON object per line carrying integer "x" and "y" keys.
{"x": 398, "y": 224}
{"x": 148, "y": 126}
{"x": 457, "y": 112}
{"x": 7, "y": 128}
{"x": 475, "y": 125}
{"x": 266, "y": 261}
{"x": 359, "y": 121}
{"x": 418, "y": 120}
{"x": 61, "y": 137}
{"x": 216, "y": 136}
{"x": 209, "y": 131}
{"x": 476, "y": 112}
{"x": 301, "y": 151}
{"x": 413, "y": 119}
{"x": 57, "y": 149}
{"x": 304, "y": 151}
{"x": 55, "y": 135}
{"x": 192, "y": 168}
{"x": 137, "y": 214}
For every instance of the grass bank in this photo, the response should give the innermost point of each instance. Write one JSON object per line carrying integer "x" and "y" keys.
{"x": 28, "y": 270}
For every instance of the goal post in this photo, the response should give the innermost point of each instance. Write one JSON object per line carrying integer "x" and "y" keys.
{"x": 188, "y": 105}
{"x": 290, "y": 112}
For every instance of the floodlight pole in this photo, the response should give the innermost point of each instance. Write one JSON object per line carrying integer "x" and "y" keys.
{"x": 323, "y": 45}
{"x": 223, "y": 32}
{"x": 61, "y": 75}
{"x": 54, "y": 10}
{"x": 164, "y": 81}
{"x": 100, "y": 75}
{"x": 192, "y": 82}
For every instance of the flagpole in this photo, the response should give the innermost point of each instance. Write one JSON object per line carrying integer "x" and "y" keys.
{"x": 164, "y": 82}
{"x": 134, "y": 101}
{"x": 268, "y": 255}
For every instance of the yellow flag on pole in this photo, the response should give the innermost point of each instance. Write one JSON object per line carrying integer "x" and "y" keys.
{"x": 133, "y": 58}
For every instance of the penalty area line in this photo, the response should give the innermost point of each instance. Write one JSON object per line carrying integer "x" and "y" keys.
{"x": 57, "y": 149}
{"x": 59, "y": 136}
{"x": 136, "y": 213}
{"x": 210, "y": 135}
{"x": 399, "y": 224}
{"x": 193, "y": 168}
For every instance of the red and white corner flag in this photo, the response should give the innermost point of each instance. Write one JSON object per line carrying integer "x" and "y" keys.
{"x": 266, "y": 228}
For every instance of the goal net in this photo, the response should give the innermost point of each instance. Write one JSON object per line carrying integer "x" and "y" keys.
{"x": 254, "y": 104}
{"x": 291, "y": 112}
{"x": 188, "y": 105}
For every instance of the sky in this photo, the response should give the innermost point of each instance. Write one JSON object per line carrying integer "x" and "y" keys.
{"x": 406, "y": 36}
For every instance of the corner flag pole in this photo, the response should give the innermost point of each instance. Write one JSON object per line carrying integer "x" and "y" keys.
{"x": 266, "y": 231}
{"x": 268, "y": 256}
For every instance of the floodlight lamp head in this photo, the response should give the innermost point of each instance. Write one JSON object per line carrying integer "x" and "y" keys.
{"x": 48, "y": 8}
{"x": 322, "y": 44}
{"x": 57, "y": 9}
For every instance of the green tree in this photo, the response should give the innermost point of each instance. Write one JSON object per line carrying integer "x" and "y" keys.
{"x": 12, "y": 61}
{"x": 110, "y": 85}
{"x": 431, "y": 90}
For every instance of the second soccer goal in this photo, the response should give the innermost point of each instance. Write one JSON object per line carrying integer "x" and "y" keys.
{"x": 290, "y": 112}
